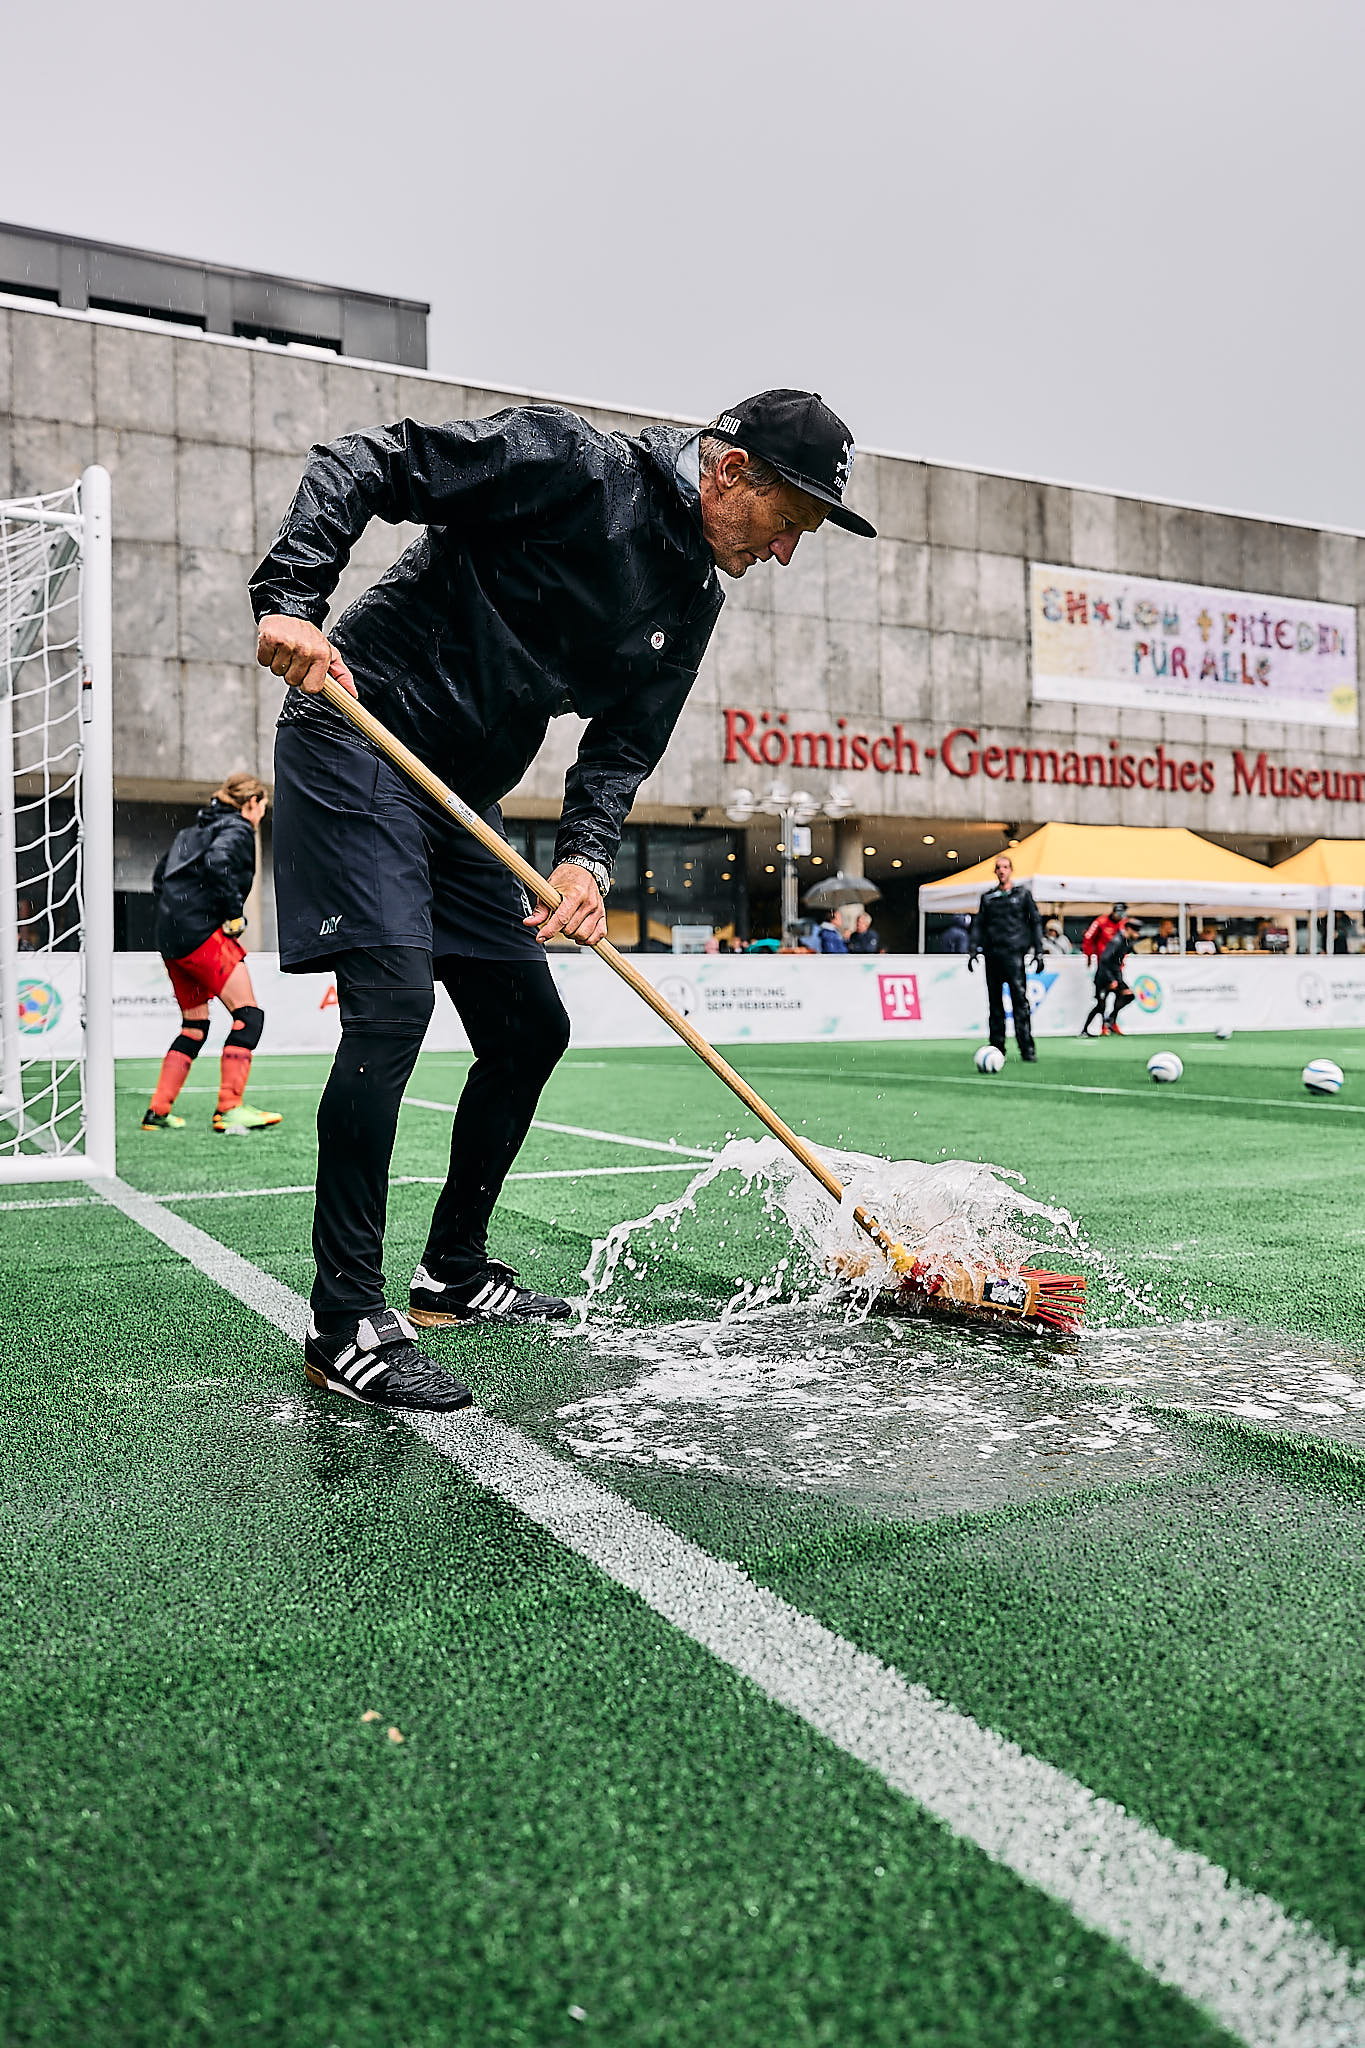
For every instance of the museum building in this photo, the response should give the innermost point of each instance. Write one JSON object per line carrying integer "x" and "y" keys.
{"x": 1007, "y": 653}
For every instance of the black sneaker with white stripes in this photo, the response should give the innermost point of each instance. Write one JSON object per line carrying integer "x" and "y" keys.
{"x": 380, "y": 1364}
{"x": 490, "y": 1296}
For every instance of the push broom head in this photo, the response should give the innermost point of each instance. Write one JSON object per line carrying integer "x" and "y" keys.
{"x": 1031, "y": 1295}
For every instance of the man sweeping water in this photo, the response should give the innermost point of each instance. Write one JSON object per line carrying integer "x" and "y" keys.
{"x": 561, "y": 570}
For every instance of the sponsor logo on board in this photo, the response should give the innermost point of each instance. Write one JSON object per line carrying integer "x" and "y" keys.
{"x": 40, "y": 1006}
{"x": 900, "y": 998}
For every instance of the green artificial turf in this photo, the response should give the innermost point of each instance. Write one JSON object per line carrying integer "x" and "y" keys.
{"x": 215, "y": 1572}
{"x": 589, "y": 1830}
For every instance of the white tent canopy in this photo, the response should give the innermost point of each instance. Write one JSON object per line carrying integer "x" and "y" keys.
{"x": 1102, "y": 864}
{"x": 1336, "y": 870}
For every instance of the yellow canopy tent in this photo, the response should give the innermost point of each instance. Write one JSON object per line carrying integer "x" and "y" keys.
{"x": 1152, "y": 866}
{"x": 1334, "y": 867}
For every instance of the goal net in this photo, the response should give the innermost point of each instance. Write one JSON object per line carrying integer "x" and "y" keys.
{"x": 56, "y": 835}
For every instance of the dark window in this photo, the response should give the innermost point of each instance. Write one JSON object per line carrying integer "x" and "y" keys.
{"x": 48, "y": 873}
{"x": 691, "y": 875}
{"x": 31, "y": 291}
{"x": 134, "y": 921}
{"x": 148, "y": 312}
{"x": 252, "y": 330}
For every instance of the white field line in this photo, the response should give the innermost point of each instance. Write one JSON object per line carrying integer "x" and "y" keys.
{"x": 579, "y": 1131}
{"x": 1271, "y": 1979}
{"x": 397, "y": 1180}
{"x": 925, "y": 1081}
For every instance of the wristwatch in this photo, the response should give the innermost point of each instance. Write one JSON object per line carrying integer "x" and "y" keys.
{"x": 599, "y": 871}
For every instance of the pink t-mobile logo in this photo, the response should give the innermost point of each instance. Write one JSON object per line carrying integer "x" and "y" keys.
{"x": 900, "y": 998}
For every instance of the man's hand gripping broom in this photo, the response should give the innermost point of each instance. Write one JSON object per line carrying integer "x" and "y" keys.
{"x": 1028, "y": 1297}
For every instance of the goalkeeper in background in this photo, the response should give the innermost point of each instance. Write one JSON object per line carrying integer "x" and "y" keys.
{"x": 200, "y": 887}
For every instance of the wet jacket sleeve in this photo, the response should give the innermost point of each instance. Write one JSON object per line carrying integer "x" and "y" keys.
{"x": 230, "y": 867}
{"x": 616, "y": 753}
{"x": 519, "y": 467}
{"x": 1035, "y": 923}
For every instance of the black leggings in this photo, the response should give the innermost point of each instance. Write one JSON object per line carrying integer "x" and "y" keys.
{"x": 518, "y": 1029}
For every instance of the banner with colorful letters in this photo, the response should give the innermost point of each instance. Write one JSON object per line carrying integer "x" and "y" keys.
{"x": 1098, "y": 638}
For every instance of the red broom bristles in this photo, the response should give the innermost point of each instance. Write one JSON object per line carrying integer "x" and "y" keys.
{"x": 1061, "y": 1297}
{"x": 1057, "y": 1299}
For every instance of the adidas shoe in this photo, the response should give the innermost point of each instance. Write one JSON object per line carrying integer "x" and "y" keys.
{"x": 153, "y": 1120}
{"x": 231, "y": 1122}
{"x": 491, "y": 1296}
{"x": 381, "y": 1365}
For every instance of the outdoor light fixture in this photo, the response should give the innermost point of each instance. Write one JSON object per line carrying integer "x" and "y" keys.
{"x": 794, "y": 807}
{"x": 952, "y": 856}
{"x": 869, "y": 849}
{"x": 928, "y": 839}
{"x": 895, "y": 863}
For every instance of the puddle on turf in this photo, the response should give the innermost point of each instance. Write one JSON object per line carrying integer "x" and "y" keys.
{"x": 908, "y": 1417}
{"x": 902, "y": 1416}
{"x": 1226, "y": 1368}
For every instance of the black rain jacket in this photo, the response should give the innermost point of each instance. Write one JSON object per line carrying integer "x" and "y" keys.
{"x": 561, "y": 569}
{"x": 1007, "y": 923}
{"x": 205, "y": 877}
{"x": 1109, "y": 967}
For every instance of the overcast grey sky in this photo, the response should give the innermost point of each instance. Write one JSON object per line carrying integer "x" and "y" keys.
{"x": 1110, "y": 244}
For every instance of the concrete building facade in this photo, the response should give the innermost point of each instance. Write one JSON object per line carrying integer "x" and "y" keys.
{"x": 917, "y": 645}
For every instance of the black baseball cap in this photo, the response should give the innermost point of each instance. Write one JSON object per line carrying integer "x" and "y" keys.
{"x": 804, "y": 441}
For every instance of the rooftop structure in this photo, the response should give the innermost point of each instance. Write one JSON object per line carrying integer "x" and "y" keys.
{"x": 82, "y": 275}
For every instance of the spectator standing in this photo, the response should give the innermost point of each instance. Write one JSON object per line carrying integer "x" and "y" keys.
{"x": 1207, "y": 942}
{"x": 957, "y": 938}
{"x": 1008, "y": 926}
{"x": 828, "y": 936}
{"x": 864, "y": 938}
{"x": 1167, "y": 938}
{"x": 1055, "y": 940}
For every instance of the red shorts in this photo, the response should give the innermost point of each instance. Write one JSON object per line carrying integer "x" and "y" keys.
{"x": 198, "y": 977}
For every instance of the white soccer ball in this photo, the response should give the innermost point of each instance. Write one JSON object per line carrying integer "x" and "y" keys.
{"x": 989, "y": 1059}
{"x": 1165, "y": 1066}
{"x": 1322, "y": 1077}
{"x": 1222, "y": 1030}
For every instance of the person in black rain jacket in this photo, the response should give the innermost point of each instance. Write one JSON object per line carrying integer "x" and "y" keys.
{"x": 1111, "y": 990}
{"x": 1007, "y": 926}
{"x": 201, "y": 884}
{"x": 560, "y": 570}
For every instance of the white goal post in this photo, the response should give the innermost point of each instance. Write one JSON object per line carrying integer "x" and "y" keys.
{"x": 57, "y": 835}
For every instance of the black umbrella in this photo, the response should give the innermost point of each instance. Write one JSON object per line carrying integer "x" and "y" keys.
{"x": 839, "y": 889}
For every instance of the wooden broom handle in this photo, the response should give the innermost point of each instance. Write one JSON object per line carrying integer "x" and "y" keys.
{"x": 446, "y": 800}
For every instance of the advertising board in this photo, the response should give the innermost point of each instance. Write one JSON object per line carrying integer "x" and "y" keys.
{"x": 788, "y": 999}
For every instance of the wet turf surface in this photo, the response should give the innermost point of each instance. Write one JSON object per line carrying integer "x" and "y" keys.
{"x": 217, "y": 1573}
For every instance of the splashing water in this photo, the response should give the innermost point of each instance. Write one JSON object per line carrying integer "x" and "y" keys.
{"x": 950, "y": 1211}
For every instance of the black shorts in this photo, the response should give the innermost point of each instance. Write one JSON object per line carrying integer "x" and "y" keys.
{"x": 363, "y": 859}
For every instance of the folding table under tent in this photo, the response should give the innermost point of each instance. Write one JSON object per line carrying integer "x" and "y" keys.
{"x": 1336, "y": 870}
{"x": 1151, "y": 867}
